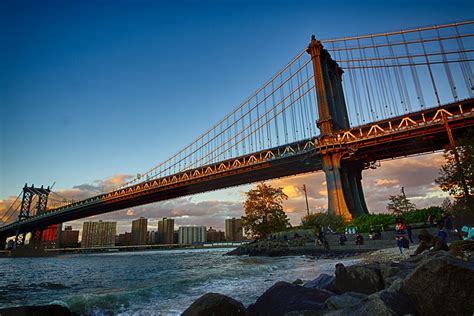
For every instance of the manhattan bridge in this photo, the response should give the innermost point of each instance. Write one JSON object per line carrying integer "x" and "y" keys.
{"x": 339, "y": 106}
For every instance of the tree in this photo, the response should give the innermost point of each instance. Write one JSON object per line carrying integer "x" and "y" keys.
{"x": 457, "y": 173}
{"x": 322, "y": 220}
{"x": 264, "y": 213}
{"x": 399, "y": 204}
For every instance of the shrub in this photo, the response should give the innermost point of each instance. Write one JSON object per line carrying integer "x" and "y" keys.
{"x": 378, "y": 221}
{"x": 322, "y": 220}
{"x": 421, "y": 215}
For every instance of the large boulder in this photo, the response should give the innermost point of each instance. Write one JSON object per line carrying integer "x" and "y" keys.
{"x": 344, "y": 300}
{"x": 323, "y": 281}
{"x": 371, "y": 306}
{"x": 442, "y": 285}
{"x": 212, "y": 304}
{"x": 397, "y": 302}
{"x": 270, "y": 248}
{"x": 361, "y": 279}
{"x": 284, "y": 297}
{"x": 41, "y": 310}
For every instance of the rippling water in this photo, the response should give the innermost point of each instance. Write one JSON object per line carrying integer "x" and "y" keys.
{"x": 151, "y": 282}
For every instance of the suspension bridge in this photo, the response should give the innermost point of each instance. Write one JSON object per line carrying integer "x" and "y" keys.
{"x": 339, "y": 106}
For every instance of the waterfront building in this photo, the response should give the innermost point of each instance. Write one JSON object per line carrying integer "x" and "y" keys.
{"x": 191, "y": 234}
{"x": 233, "y": 229}
{"x": 152, "y": 237}
{"x": 69, "y": 238}
{"x": 140, "y": 231}
{"x": 213, "y": 235}
{"x": 175, "y": 237}
{"x": 98, "y": 234}
{"x": 165, "y": 230}
{"x": 125, "y": 239}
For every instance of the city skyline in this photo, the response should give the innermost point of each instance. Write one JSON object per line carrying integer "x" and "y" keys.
{"x": 91, "y": 79}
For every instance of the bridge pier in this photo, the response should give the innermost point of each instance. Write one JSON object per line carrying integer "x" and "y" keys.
{"x": 352, "y": 187}
{"x": 3, "y": 243}
{"x": 344, "y": 186}
{"x": 334, "y": 181}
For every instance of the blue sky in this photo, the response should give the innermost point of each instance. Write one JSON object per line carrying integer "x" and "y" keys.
{"x": 94, "y": 89}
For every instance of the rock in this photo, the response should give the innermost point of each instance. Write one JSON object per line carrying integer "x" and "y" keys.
{"x": 215, "y": 304}
{"x": 396, "y": 285}
{"x": 304, "y": 313}
{"x": 284, "y": 297}
{"x": 42, "y": 310}
{"x": 323, "y": 281}
{"x": 297, "y": 282}
{"x": 442, "y": 286}
{"x": 270, "y": 248}
{"x": 399, "y": 303}
{"x": 344, "y": 300}
{"x": 371, "y": 306}
{"x": 359, "y": 279}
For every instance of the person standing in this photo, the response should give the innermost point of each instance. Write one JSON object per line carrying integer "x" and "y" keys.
{"x": 400, "y": 244}
{"x": 409, "y": 228}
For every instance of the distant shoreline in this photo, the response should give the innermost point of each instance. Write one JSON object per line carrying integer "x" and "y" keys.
{"x": 65, "y": 251}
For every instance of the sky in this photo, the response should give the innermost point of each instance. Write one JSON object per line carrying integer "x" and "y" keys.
{"x": 94, "y": 92}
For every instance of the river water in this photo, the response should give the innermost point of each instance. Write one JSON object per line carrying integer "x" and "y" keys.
{"x": 146, "y": 283}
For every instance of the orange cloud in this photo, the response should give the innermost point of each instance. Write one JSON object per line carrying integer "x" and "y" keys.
{"x": 385, "y": 182}
{"x": 292, "y": 191}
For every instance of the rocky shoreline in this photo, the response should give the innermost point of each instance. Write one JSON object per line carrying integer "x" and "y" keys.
{"x": 384, "y": 283}
{"x": 277, "y": 248}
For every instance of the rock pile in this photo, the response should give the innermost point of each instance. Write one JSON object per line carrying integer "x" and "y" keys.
{"x": 270, "y": 248}
{"x": 430, "y": 284}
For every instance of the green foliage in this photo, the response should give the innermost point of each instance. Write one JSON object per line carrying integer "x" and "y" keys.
{"x": 264, "y": 213}
{"x": 457, "y": 174}
{"x": 320, "y": 220}
{"x": 398, "y": 204}
{"x": 385, "y": 221}
{"x": 378, "y": 221}
{"x": 421, "y": 215}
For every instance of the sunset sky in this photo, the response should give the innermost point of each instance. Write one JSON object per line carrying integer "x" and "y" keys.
{"x": 94, "y": 92}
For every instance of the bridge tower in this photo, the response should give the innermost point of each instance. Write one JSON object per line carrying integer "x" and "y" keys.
{"x": 344, "y": 186}
{"x": 25, "y": 210}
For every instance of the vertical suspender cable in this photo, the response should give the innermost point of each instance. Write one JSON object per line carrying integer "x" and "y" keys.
{"x": 355, "y": 88}
{"x": 365, "y": 81}
{"x": 414, "y": 74}
{"x": 429, "y": 68}
{"x": 465, "y": 66}
{"x": 447, "y": 69}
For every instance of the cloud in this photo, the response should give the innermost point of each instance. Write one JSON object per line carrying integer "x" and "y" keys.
{"x": 8, "y": 206}
{"x": 386, "y": 182}
{"x": 130, "y": 212}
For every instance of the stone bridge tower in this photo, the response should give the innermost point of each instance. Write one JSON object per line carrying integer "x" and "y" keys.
{"x": 343, "y": 176}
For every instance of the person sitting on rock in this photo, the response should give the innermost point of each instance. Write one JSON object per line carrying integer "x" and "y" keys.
{"x": 427, "y": 241}
{"x": 321, "y": 240}
{"x": 359, "y": 239}
{"x": 442, "y": 234}
{"x": 399, "y": 226}
{"x": 342, "y": 239}
{"x": 371, "y": 232}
